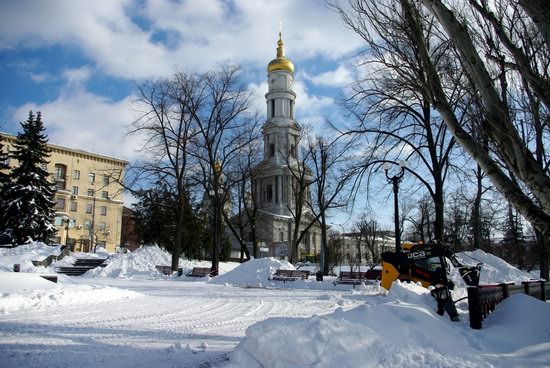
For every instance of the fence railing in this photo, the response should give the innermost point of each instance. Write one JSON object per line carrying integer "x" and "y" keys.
{"x": 483, "y": 299}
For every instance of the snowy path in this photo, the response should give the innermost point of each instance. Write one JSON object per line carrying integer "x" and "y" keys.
{"x": 153, "y": 330}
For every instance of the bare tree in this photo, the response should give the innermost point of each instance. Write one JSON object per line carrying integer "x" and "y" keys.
{"x": 529, "y": 194}
{"x": 368, "y": 232}
{"x": 225, "y": 126}
{"x": 165, "y": 122}
{"x": 245, "y": 200}
{"x": 330, "y": 178}
{"x": 391, "y": 99}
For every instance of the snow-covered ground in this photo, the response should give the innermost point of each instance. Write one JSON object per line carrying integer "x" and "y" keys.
{"x": 129, "y": 315}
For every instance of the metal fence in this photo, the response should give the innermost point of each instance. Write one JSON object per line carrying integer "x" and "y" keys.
{"x": 483, "y": 299}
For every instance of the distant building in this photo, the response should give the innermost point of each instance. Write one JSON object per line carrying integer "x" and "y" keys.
{"x": 130, "y": 238}
{"x": 89, "y": 196}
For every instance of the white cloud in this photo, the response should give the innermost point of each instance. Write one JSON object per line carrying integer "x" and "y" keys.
{"x": 341, "y": 77}
{"x": 77, "y": 77}
{"x": 200, "y": 33}
{"x": 40, "y": 77}
{"x": 308, "y": 107}
{"x": 86, "y": 121}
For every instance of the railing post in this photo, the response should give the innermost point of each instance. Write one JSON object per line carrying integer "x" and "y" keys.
{"x": 526, "y": 286}
{"x": 505, "y": 291}
{"x": 474, "y": 307}
{"x": 542, "y": 291}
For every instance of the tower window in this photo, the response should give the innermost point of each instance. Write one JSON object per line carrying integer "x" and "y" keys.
{"x": 272, "y": 150}
{"x": 268, "y": 193}
{"x": 273, "y": 108}
{"x": 291, "y": 109}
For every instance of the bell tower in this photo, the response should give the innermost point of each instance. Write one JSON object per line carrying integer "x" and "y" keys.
{"x": 272, "y": 179}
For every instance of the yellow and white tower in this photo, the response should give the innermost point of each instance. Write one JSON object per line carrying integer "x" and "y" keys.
{"x": 272, "y": 177}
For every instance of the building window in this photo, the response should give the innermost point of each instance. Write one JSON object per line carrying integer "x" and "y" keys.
{"x": 102, "y": 226}
{"x": 272, "y": 150}
{"x": 59, "y": 173}
{"x": 91, "y": 177}
{"x": 103, "y": 210}
{"x": 73, "y": 206}
{"x": 58, "y": 221}
{"x": 89, "y": 208}
{"x": 87, "y": 225}
{"x": 105, "y": 179}
{"x": 291, "y": 109}
{"x": 282, "y": 236}
{"x": 273, "y": 108}
{"x": 60, "y": 205}
{"x": 75, "y": 190}
{"x": 76, "y": 174}
{"x": 105, "y": 195}
{"x": 59, "y": 176}
{"x": 90, "y": 192}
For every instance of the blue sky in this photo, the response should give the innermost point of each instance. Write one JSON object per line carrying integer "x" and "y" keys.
{"x": 78, "y": 61}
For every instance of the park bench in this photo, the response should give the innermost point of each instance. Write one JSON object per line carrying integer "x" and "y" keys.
{"x": 167, "y": 270}
{"x": 357, "y": 277}
{"x": 200, "y": 272}
{"x": 289, "y": 275}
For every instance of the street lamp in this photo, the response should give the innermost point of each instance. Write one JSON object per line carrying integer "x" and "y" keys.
{"x": 217, "y": 195}
{"x": 67, "y": 221}
{"x": 395, "y": 181}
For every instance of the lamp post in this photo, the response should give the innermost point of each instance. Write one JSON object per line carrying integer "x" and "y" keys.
{"x": 216, "y": 193}
{"x": 395, "y": 179}
{"x": 67, "y": 221}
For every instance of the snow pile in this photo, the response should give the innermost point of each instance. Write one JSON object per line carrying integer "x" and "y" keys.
{"x": 140, "y": 263}
{"x": 25, "y": 254}
{"x": 20, "y": 291}
{"x": 402, "y": 330}
{"x": 494, "y": 269}
{"x": 254, "y": 273}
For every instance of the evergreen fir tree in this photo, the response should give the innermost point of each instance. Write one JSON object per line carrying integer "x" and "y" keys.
{"x": 4, "y": 183}
{"x": 4, "y": 177}
{"x": 28, "y": 209}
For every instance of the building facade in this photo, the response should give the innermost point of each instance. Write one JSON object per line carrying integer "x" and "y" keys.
{"x": 273, "y": 180}
{"x": 89, "y": 197}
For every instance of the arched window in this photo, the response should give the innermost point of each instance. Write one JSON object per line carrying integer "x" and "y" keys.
{"x": 272, "y": 150}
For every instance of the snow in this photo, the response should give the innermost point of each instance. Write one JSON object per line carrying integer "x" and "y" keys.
{"x": 494, "y": 269}
{"x": 254, "y": 273}
{"x": 128, "y": 314}
{"x": 25, "y": 254}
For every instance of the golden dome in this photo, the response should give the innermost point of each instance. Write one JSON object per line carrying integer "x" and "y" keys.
{"x": 281, "y": 62}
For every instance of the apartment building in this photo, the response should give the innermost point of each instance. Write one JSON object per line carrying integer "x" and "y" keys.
{"x": 89, "y": 197}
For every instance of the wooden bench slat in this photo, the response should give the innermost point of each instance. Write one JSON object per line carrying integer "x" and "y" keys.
{"x": 200, "y": 272}
{"x": 356, "y": 277}
{"x": 290, "y": 275}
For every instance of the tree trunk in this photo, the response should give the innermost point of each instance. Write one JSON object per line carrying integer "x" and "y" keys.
{"x": 476, "y": 211}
